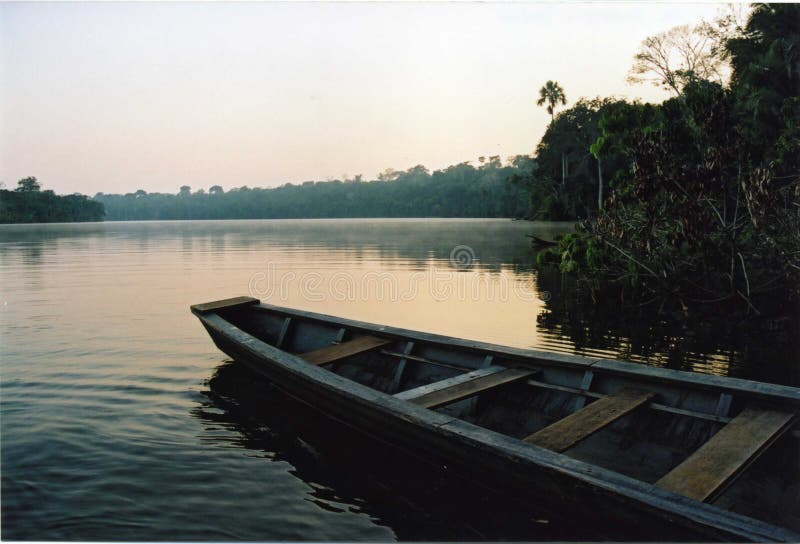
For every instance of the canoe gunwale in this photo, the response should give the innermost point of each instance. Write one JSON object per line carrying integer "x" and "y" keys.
{"x": 485, "y": 444}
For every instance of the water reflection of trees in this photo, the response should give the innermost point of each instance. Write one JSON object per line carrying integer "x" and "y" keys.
{"x": 494, "y": 243}
{"x": 672, "y": 333}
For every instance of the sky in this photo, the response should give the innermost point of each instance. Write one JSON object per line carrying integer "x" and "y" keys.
{"x": 115, "y": 97}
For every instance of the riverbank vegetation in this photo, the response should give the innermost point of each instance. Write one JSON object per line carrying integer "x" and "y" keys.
{"x": 29, "y": 204}
{"x": 489, "y": 190}
{"x": 703, "y": 202}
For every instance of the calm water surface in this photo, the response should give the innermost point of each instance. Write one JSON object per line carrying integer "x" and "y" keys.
{"x": 121, "y": 421}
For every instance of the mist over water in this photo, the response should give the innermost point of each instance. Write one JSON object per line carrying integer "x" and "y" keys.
{"x": 121, "y": 420}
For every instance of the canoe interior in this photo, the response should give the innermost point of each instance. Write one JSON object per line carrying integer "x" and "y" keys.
{"x": 421, "y": 501}
{"x": 645, "y": 444}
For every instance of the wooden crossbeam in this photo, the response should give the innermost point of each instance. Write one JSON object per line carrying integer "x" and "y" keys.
{"x": 717, "y": 463}
{"x": 422, "y": 390}
{"x": 401, "y": 367}
{"x": 586, "y": 383}
{"x": 345, "y": 349}
{"x": 287, "y": 322}
{"x": 464, "y": 385}
{"x": 566, "y": 432}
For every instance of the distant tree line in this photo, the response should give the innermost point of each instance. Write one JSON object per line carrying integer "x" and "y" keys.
{"x": 29, "y": 204}
{"x": 490, "y": 189}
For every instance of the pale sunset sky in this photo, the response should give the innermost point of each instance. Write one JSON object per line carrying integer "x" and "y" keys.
{"x": 115, "y": 97}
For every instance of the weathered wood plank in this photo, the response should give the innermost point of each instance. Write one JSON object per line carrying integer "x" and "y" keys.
{"x": 566, "y": 432}
{"x": 345, "y": 349}
{"x": 227, "y": 303}
{"x": 709, "y": 470}
{"x": 444, "y": 384}
{"x": 463, "y": 386}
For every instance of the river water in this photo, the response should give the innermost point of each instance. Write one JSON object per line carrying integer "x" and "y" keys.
{"x": 121, "y": 421}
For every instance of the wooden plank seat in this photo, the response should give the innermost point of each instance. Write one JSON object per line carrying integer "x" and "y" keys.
{"x": 464, "y": 385}
{"x": 566, "y": 432}
{"x": 717, "y": 463}
{"x": 345, "y": 349}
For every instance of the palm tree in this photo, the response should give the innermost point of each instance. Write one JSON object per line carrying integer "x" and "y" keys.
{"x": 552, "y": 94}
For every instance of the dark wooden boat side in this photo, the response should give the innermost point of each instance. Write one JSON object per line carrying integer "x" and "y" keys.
{"x": 537, "y": 242}
{"x": 491, "y": 453}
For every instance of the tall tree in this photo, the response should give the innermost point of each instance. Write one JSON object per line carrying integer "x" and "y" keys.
{"x": 551, "y": 94}
{"x": 28, "y": 185}
{"x": 558, "y": 194}
{"x": 672, "y": 58}
{"x": 766, "y": 79}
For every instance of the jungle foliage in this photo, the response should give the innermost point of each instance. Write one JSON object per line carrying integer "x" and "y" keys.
{"x": 566, "y": 179}
{"x": 706, "y": 196}
{"x": 29, "y": 204}
{"x": 462, "y": 190}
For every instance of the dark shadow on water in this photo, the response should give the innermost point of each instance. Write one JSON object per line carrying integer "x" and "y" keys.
{"x": 722, "y": 339}
{"x": 347, "y": 470}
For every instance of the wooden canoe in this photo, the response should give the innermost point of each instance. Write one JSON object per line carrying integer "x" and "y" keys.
{"x": 686, "y": 455}
{"x": 537, "y": 242}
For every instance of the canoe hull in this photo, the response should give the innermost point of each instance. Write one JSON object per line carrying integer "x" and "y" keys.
{"x": 496, "y": 460}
